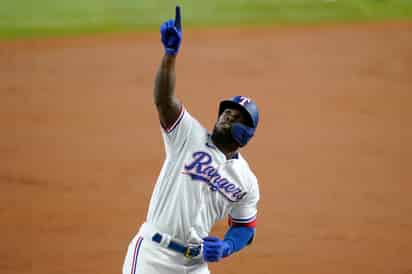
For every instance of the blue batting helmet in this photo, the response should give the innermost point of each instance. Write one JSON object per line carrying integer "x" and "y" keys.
{"x": 242, "y": 133}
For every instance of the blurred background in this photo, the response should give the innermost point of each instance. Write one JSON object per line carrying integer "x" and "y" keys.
{"x": 22, "y": 18}
{"x": 80, "y": 143}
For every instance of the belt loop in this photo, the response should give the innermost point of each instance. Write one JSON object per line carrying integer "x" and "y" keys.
{"x": 165, "y": 240}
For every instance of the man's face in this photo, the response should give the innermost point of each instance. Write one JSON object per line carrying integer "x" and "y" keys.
{"x": 224, "y": 124}
{"x": 228, "y": 117}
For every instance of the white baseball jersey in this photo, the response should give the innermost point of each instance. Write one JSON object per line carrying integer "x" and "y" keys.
{"x": 198, "y": 186}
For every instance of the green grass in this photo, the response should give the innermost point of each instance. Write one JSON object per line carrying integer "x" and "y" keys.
{"x": 26, "y": 18}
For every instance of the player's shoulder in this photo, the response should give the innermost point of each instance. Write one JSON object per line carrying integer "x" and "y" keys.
{"x": 189, "y": 116}
{"x": 189, "y": 124}
{"x": 246, "y": 170}
{"x": 248, "y": 178}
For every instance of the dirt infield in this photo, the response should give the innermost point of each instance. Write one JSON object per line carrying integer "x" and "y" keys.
{"x": 80, "y": 145}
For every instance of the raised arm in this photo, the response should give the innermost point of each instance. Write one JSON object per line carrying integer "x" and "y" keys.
{"x": 168, "y": 106}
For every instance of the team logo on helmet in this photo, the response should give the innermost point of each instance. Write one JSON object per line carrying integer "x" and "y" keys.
{"x": 244, "y": 100}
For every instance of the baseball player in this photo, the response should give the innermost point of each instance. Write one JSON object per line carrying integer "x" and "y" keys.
{"x": 204, "y": 179}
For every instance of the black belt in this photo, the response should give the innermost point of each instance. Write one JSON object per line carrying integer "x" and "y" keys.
{"x": 187, "y": 251}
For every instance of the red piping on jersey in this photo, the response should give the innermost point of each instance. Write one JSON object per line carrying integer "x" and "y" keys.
{"x": 251, "y": 224}
{"x": 136, "y": 254}
{"x": 174, "y": 125}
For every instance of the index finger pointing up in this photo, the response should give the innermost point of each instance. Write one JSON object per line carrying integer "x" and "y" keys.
{"x": 178, "y": 23}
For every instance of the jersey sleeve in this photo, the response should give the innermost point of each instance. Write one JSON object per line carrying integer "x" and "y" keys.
{"x": 244, "y": 212}
{"x": 177, "y": 134}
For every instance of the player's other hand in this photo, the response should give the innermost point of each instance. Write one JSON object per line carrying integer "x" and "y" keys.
{"x": 171, "y": 34}
{"x": 215, "y": 249}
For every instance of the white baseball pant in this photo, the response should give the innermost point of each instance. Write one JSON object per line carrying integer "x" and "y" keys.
{"x": 147, "y": 257}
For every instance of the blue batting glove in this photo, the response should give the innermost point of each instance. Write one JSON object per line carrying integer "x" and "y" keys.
{"x": 215, "y": 249}
{"x": 171, "y": 34}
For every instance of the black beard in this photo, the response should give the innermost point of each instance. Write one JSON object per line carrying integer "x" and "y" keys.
{"x": 222, "y": 137}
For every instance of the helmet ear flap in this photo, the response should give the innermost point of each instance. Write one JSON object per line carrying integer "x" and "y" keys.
{"x": 241, "y": 133}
